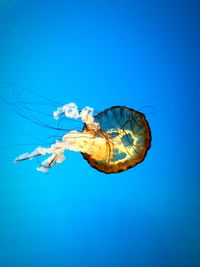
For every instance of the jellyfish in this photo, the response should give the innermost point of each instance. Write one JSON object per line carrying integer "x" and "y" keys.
{"x": 112, "y": 141}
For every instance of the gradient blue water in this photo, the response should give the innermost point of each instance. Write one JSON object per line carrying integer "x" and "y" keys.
{"x": 103, "y": 53}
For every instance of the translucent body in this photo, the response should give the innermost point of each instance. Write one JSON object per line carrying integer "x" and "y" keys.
{"x": 127, "y": 136}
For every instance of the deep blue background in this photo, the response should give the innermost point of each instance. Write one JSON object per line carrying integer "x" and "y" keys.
{"x": 103, "y": 53}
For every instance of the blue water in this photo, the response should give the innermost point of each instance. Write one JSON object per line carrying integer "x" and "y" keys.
{"x": 102, "y": 53}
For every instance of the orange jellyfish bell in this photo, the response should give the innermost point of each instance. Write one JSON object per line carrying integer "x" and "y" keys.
{"x": 112, "y": 141}
{"x": 128, "y": 138}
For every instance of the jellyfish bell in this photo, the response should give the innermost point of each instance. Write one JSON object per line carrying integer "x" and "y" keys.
{"x": 112, "y": 141}
{"x": 127, "y": 138}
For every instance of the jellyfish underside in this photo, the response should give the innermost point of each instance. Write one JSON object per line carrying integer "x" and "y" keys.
{"x": 112, "y": 141}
